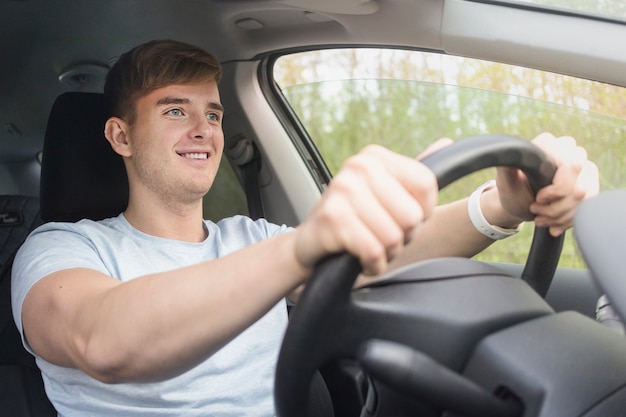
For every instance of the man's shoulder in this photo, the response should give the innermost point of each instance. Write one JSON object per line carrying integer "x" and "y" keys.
{"x": 240, "y": 224}
{"x": 53, "y": 231}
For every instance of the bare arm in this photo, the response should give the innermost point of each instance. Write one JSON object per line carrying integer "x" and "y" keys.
{"x": 378, "y": 201}
{"x": 120, "y": 332}
{"x": 449, "y": 231}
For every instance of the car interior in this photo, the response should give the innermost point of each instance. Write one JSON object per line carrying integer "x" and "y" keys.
{"x": 450, "y": 337}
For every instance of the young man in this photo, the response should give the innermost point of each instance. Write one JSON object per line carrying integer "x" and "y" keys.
{"x": 157, "y": 312}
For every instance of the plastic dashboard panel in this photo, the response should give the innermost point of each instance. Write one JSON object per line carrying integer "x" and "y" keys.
{"x": 563, "y": 364}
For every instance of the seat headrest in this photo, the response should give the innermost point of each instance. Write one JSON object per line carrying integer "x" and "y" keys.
{"x": 81, "y": 175}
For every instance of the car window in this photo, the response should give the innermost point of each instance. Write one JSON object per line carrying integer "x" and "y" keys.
{"x": 347, "y": 98}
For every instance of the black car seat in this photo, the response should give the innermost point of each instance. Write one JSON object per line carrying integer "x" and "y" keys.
{"x": 81, "y": 176}
{"x": 21, "y": 387}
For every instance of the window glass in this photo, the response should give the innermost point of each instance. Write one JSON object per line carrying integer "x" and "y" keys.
{"x": 405, "y": 100}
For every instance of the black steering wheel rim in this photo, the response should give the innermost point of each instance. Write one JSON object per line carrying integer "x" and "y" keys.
{"x": 475, "y": 153}
{"x": 328, "y": 290}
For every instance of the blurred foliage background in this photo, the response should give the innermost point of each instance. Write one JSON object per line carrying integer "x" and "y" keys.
{"x": 347, "y": 98}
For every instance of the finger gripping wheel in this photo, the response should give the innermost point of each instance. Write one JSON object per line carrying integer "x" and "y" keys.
{"x": 316, "y": 334}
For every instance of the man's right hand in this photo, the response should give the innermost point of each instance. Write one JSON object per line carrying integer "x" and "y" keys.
{"x": 370, "y": 209}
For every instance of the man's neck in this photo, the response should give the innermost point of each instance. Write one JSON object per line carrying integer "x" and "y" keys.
{"x": 178, "y": 223}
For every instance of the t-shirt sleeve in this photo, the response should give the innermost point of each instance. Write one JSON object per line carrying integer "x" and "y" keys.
{"x": 50, "y": 248}
{"x": 271, "y": 229}
{"x": 244, "y": 231}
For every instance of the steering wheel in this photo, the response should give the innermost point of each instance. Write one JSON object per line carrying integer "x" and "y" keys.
{"x": 331, "y": 321}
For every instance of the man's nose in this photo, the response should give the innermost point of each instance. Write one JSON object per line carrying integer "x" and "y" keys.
{"x": 202, "y": 129}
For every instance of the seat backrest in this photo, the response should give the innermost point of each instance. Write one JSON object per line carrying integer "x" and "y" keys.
{"x": 21, "y": 387}
{"x": 81, "y": 176}
{"x": 19, "y": 215}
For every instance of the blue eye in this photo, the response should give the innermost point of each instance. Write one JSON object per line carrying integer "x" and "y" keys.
{"x": 175, "y": 112}
{"x": 213, "y": 117}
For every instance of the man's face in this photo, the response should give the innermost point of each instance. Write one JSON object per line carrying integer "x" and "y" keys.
{"x": 177, "y": 141}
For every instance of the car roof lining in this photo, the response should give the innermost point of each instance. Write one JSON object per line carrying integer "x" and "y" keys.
{"x": 55, "y": 37}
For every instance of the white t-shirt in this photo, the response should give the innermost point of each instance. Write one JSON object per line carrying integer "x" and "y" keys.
{"x": 238, "y": 380}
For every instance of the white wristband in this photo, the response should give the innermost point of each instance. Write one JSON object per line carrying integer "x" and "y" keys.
{"x": 478, "y": 219}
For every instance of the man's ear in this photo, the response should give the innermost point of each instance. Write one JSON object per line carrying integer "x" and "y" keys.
{"x": 116, "y": 132}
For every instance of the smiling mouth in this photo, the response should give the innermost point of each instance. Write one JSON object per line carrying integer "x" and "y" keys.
{"x": 195, "y": 155}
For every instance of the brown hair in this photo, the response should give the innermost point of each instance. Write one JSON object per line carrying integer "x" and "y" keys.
{"x": 153, "y": 65}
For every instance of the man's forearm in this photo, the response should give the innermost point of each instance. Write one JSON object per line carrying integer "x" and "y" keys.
{"x": 122, "y": 332}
